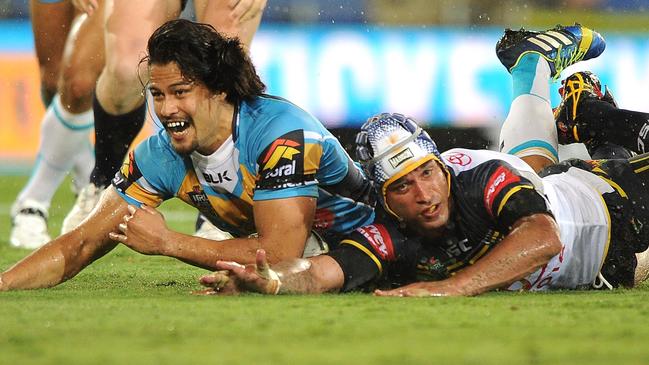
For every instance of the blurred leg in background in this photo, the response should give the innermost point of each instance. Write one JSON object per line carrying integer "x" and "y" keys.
{"x": 64, "y": 143}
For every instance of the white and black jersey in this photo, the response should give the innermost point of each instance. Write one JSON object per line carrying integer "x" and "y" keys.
{"x": 490, "y": 192}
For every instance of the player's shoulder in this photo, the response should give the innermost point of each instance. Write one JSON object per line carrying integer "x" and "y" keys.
{"x": 267, "y": 114}
{"x": 463, "y": 159}
{"x": 156, "y": 150}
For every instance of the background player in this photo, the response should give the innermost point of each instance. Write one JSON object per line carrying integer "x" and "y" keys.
{"x": 70, "y": 63}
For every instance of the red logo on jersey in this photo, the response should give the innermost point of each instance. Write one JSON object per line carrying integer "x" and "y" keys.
{"x": 497, "y": 182}
{"x": 324, "y": 218}
{"x": 379, "y": 238}
{"x": 459, "y": 158}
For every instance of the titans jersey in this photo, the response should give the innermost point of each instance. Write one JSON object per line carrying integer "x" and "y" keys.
{"x": 490, "y": 192}
{"x": 276, "y": 150}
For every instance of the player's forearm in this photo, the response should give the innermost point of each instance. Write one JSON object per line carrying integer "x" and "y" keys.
{"x": 205, "y": 253}
{"x": 528, "y": 247}
{"x": 315, "y": 275}
{"x": 58, "y": 261}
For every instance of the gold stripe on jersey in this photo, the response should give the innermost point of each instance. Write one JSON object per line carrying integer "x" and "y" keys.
{"x": 366, "y": 251}
{"x": 249, "y": 183}
{"x": 612, "y": 183}
{"x": 509, "y": 194}
{"x": 233, "y": 211}
{"x": 636, "y": 161}
{"x": 312, "y": 155}
{"x": 138, "y": 193}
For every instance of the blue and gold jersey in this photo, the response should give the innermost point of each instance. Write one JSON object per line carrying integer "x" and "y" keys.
{"x": 276, "y": 150}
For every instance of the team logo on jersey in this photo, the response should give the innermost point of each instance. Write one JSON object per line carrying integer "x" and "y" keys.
{"x": 400, "y": 158}
{"x": 127, "y": 174}
{"x": 323, "y": 219}
{"x": 282, "y": 162}
{"x": 199, "y": 199}
{"x": 379, "y": 238}
{"x": 500, "y": 179}
{"x": 459, "y": 158}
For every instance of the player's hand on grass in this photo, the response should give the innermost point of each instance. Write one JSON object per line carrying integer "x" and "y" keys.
{"x": 243, "y": 10}
{"x": 259, "y": 277}
{"x": 143, "y": 230}
{"x": 422, "y": 289}
{"x": 86, "y": 6}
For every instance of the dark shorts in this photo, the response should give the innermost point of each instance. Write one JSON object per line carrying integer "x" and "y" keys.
{"x": 629, "y": 217}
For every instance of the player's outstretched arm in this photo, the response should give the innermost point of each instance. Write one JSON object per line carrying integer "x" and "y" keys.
{"x": 315, "y": 275}
{"x": 65, "y": 256}
{"x": 283, "y": 226}
{"x": 532, "y": 242}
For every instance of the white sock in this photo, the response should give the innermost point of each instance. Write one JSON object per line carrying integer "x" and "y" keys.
{"x": 529, "y": 128}
{"x": 64, "y": 138}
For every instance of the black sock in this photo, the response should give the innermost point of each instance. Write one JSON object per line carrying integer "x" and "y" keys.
{"x": 606, "y": 123}
{"x": 113, "y": 136}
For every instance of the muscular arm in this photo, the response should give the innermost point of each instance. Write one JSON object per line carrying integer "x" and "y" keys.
{"x": 67, "y": 255}
{"x": 532, "y": 242}
{"x": 283, "y": 226}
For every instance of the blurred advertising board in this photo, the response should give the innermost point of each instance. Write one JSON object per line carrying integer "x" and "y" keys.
{"x": 445, "y": 77}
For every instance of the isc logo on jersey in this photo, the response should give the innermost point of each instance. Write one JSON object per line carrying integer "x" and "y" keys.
{"x": 379, "y": 238}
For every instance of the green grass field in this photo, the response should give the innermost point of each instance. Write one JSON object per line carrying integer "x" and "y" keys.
{"x": 130, "y": 308}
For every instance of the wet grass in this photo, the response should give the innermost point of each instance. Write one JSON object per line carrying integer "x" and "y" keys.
{"x": 130, "y": 308}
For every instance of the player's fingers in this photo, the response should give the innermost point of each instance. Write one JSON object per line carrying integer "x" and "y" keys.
{"x": 229, "y": 265}
{"x": 217, "y": 279}
{"x": 262, "y": 263}
{"x": 117, "y": 237}
{"x": 132, "y": 209}
{"x": 207, "y": 291}
{"x": 388, "y": 293}
{"x": 122, "y": 227}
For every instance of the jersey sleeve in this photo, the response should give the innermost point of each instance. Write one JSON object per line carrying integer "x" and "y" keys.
{"x": 140, "y": 180}
{"x": 368, "y": 254}
{"x": 287, "y": 165}
{"x": 508, "y": 196}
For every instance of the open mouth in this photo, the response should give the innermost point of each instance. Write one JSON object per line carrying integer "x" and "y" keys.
{"x": 177, "y": 126}
{"x": 431, "y": 211}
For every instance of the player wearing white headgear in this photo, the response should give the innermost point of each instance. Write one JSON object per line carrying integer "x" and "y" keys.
{"x": 465, "y": 222}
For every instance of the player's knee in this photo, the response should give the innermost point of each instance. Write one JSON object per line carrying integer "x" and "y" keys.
{"x": 78, "y": 87}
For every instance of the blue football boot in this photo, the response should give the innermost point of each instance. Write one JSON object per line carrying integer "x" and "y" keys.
{"x": 561, "y": 46}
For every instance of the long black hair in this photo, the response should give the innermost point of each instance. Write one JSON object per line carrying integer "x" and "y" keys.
{"x": 205, "y": 55}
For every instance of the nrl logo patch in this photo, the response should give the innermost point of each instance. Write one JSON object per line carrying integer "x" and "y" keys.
{"x": 400, "y": 158}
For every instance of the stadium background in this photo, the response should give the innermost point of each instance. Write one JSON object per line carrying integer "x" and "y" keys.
{"x": 346, "y": 60}
{"x": 342, "y": 60}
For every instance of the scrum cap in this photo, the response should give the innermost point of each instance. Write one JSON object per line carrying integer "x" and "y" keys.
{"x": 390, "y": 146}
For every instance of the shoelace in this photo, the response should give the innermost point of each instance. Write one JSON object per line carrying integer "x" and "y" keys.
{"x": 600, "y": 282}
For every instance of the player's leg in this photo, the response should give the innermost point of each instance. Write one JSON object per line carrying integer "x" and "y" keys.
{"x": 534, "y": 59}
{"x": 219, "y": 15}
{"x": 64, "y": 140}
{"x": 592, "y": 117}
{"x": 50, "y": 24}
{"x": 640, "y": 200}
{"x": 119, "y": 108}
